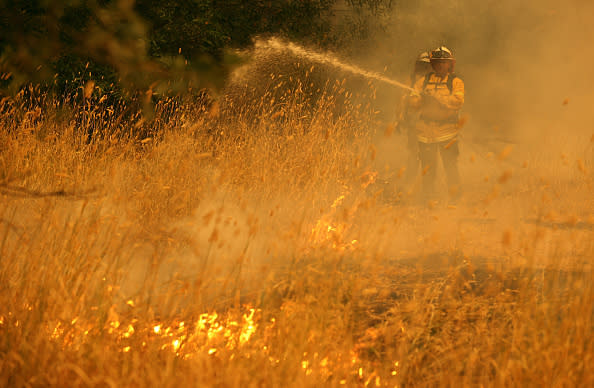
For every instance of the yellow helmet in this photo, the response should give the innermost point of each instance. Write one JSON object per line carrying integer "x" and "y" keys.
{"x": 441, "y": 53}
{"x": 424, "y": 57}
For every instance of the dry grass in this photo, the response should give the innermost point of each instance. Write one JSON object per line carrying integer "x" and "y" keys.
{"x": 251, "y": 247}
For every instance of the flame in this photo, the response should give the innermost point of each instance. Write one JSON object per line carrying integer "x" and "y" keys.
{"x": 213, "y": 334}
{"x": 209, "y": 334}
{"x": 331, "y": 232}
{"x": 249, "y": 327}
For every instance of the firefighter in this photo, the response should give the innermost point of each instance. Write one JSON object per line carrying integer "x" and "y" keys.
{"x": 408, "y": 117}
{"x": 439, "y": 96}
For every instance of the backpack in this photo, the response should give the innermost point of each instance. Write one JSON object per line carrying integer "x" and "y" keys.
{"x": 449, "y": 82}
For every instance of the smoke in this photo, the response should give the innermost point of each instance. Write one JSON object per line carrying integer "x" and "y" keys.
{"x": 525, "y": 64}
{"x": 526, "y": 71}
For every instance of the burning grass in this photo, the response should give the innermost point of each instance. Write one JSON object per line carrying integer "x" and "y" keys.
{"x": 258, "y": 247}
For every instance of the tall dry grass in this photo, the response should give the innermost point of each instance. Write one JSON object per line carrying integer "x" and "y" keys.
{"x": 248, "y": 244}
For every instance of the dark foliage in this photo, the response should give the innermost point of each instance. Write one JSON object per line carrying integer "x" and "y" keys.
{"x": 165, "y": 46}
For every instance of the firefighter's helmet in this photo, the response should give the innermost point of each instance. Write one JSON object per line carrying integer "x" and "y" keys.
{"x": 424, "y": 57}
{"x": 441, "y": 53}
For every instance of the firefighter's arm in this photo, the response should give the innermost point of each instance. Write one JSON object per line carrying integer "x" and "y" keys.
{"x": 415, "y": 99}
{"x": 456, "y": 99}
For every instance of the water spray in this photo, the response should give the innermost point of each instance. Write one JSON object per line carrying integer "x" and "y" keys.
{"x": 277, "y": 44}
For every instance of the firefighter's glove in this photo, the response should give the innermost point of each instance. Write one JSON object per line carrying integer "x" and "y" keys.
{"x": 414, "y": 100}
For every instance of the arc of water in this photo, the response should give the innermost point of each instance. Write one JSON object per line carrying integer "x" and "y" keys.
{"x": 277, "y": 44}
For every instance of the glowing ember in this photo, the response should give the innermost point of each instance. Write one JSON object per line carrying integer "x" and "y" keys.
{"x": 395, "y": 371}
{"x": 57, "y": 332}
{"x": 128, "y": 332}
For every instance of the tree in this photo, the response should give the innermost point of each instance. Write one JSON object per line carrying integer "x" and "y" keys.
{"x": 150, "y": 44}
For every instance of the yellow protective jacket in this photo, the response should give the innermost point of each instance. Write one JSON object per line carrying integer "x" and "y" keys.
{"x": 439, "y": 107}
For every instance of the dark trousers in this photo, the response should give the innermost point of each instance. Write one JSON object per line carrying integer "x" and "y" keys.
{"x": 449, "y": 151}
